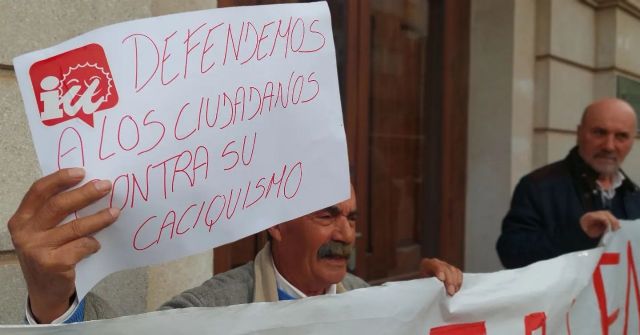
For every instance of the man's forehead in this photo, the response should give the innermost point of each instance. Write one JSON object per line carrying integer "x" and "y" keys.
{"x": 347, "y": 206}
{"x": 342, "y": 207}
{"x": 610, "y": 125}
{"x": 609, "y": 110}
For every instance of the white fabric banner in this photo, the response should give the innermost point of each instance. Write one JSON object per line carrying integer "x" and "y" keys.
{"x": 582, "y": 293}
{"x": 212, "y": 126}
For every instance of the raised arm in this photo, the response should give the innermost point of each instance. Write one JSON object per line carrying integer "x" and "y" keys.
{"x": 48, "y": 252}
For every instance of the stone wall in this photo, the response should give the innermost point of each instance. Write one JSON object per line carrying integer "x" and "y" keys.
{"x": 501, "y": 104}
{"x": 34, "y": 24}
{"x": 581, "y": 46}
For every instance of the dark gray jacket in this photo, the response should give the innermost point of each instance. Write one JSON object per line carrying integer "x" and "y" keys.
{"x": 543, "y": 221}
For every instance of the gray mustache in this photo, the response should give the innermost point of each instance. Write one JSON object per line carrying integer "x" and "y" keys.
{"x": 335, "y": 249}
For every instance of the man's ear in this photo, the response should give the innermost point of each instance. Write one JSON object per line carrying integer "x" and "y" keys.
{"x": 275, "y": 232}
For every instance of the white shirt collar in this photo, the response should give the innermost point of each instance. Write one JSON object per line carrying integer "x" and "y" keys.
{"x": 615, "y": 183}
{"x": 293, "y": 291}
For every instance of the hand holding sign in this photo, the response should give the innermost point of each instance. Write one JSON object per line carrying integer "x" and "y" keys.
{"x": 48, "y": 252}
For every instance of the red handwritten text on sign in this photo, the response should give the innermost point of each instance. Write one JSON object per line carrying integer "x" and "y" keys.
{"x": 170, "y": 58}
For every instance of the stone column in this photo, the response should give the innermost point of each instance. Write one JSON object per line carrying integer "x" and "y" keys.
{"x": 500, "y": 119}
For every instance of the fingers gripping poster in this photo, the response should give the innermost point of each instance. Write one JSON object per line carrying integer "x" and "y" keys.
{"x": 211, "y": 125}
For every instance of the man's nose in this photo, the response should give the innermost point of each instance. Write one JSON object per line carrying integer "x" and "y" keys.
{"x": 609, "y": 143}
{"x": 344, "y": 231}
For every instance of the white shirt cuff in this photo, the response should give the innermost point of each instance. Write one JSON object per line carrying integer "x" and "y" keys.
{"x": 61, "y": 319}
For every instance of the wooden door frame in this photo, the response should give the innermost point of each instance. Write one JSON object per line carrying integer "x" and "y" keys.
{"x": 357, "y": 93}
{"x": 447, "y": 92}
{"x": 446, "y": 110}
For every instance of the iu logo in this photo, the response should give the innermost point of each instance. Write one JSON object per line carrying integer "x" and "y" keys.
{"x": 73, "y": 84}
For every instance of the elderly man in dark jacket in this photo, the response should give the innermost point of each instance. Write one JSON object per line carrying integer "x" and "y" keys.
{"x": 568, "y": 205}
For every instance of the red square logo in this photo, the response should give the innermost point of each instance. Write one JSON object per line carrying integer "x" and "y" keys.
{"x": 74, "y": 84}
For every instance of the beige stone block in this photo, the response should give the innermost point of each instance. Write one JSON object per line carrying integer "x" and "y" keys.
{"x": 573, "y": 31}
{"x": 163, "y": 7}
{"x": 551, "y": 146}
{"x": 19, "y": 166}
{"x": 628, "y": 43}
{"x": 559, "y": 145}
{"x": 605, "y": 85}
{"x": 169, "y": 279}
{"x": 523, "y": 87}
{"x": 540, "y": 149}
{"x": 35, "y": 24}
{"x": 543, "y": 27}
{"x": 606, "y": 28}
{"x": 14, "y": 293}
{"x": 542, "y": 93}
{"x": 631, "y": 164}
{"x": 570, "y": 91}
{"x": 562, "y": 92}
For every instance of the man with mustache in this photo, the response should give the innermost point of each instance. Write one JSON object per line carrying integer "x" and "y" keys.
{"x": 306, "y": 256}
{"x": 568, "y": 205}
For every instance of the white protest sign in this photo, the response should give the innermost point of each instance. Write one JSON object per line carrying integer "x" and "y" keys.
{"x": 212, "y": 125}
{"x": 590, "y": 292}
